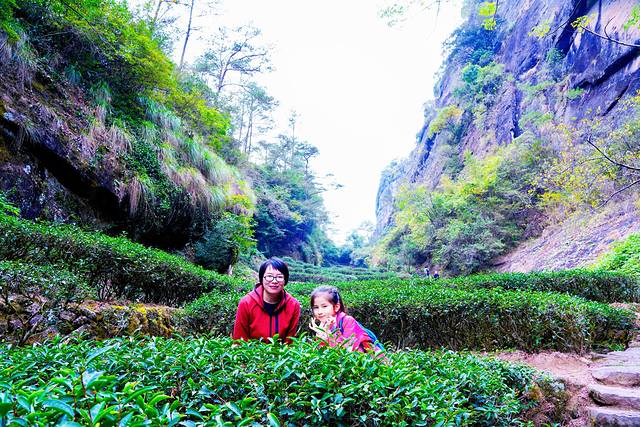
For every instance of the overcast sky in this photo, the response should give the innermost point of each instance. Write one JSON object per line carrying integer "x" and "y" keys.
{"x": 357, "y": 84}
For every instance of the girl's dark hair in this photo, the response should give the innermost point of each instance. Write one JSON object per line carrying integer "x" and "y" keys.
{"x": 334, "y": 296}
{"x": 277, "y": 264}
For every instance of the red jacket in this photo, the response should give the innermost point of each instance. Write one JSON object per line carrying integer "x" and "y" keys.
{"x": 253, "y": 322}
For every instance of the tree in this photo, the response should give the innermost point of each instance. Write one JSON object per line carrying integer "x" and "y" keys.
{"x": 187, "y": 32}
{"x": 233, "y": 51}
{"x": 253, "y": 113}
{"x": 229, "y": 236}
{"x": 157, "y": 14}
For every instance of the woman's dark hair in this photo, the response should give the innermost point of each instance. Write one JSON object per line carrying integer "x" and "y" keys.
{"x": 334, "y": 296}
{"x": 277, "y": 264}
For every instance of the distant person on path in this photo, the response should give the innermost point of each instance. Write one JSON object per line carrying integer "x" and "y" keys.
{"x": 336, "y": 327}
{"x": 268, "y": 309}
{"x": 426, "y": 271}
{"x": 436, "y": 275}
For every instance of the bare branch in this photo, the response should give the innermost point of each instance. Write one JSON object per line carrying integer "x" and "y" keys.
{"x": 620, "y": 165}
{"x": 626, "y": 187}
{"x": 606, "y": 37}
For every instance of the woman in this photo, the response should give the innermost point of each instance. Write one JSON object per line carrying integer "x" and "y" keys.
{"x": 268, "y": 309}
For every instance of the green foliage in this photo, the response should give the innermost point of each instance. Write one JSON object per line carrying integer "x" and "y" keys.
{"x": 581, "y": 22}
{"x": 531, "y": 91}
{"x": 305, "y": 272}
{"x": 595, "y": 285}
{"x": 554, "y": 57}
{"x": 112, "y": 267}
{"x": 290, "y": 213}
{"x": 221, "y": 246}
{"x": 34, "y": 294}
{"x": 53, "y": 282}
{"x": 578, "y": 176}
{"x": 200, "y": 381}
{"x": 634, "y": 18}
{"x": 447, "y": 119}
{"x": 7, "y": 22}
{"x": 542, "y": 29}
{"x": 164, "y": 114}
{"x": 475, "y": 45}
{"x": 573, "y": 94}
{"x": 468, "y": 221}
{"x": 488, "y": 11}
{"x": 535, "y": 119}
{"x": 480, "y": 85}
{"x": 428, "y": 314}
{"x": 624, "y": 257}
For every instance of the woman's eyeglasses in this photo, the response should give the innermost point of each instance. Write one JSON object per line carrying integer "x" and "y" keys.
{"x": 270, "y": 277}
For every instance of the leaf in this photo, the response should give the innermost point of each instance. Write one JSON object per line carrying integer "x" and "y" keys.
{"x": 273, "y": 420}
{"x": 125, "y": 420}
{"x": 5, "y": 407}
{"x": 96, "y": 409}
{"x": 89, "y": 378}
{"x": 137, "y": 393}
{"x": 234, "y": 408}
{"x": 158, "y": 398}
{"x": 60, "y": 406}
{"x": 97, "y": 353}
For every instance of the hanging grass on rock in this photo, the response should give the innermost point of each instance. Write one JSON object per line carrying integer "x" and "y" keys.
{"x": 200, "y": 381}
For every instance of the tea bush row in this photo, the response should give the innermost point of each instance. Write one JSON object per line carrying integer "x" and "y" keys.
{"x": 595, "y": 285}
{"x": 304, "y": 272}
{"x": 200, "y": 381}
{"x": 114, "y": 267}
{"x": 406, "y": 314}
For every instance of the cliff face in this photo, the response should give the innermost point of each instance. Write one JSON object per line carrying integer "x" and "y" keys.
{"x": 602, "y": 74}
{"x": 61, "y": 161}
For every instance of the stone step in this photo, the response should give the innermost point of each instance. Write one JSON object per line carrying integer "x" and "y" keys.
{"x": 628, "y": 376}
{"x": 628, "y": 357}
{"x": 610, "y": 417}
{"x": 615, "y": 396}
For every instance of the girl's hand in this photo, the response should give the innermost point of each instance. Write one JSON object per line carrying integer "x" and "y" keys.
{"x": 318, "y": 329}
{"x": 328, "y": 323}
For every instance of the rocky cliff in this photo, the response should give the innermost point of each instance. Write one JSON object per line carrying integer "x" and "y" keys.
{"x": 537, "y": 74}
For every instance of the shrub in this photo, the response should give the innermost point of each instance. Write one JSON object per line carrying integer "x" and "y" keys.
{"x": 480, "y": 84}
{"x": 536, "y": 118}
{"x": 424, "y": 314}
{"x": 624, "y": 257}
{"x": 465, "y": 223}
{"x": 113, "y": 267}
{"x": 447, "y": 118}
{"x": 200, "y": 381}
{"x": 598, "y": 285}
{"x": 221, "y": 246}
{"x": 573, "y": 94}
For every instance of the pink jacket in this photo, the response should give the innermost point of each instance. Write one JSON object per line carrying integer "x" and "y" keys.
{"x": 351, "y": 336}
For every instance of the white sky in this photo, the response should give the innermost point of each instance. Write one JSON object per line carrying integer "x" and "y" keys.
{"x": 357, "y": 84}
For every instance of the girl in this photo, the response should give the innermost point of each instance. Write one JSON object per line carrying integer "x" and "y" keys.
{"x": 335, "y": 326}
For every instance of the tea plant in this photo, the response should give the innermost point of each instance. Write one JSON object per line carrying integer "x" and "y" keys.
{"x": 114, "y": 267}
{"x": 425, "y": 314}
{"x": 200, "y": 381}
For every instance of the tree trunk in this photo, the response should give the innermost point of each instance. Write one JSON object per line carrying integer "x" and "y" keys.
{"x": 186, "y": 38}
